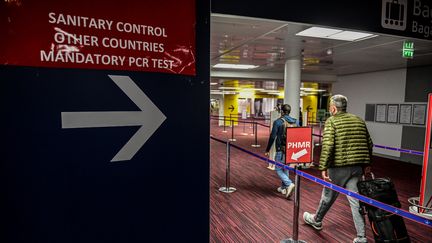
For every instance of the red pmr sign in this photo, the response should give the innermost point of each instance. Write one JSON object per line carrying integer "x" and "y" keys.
{"x": 150, "y": 36}
{"x": 298, "y": 145}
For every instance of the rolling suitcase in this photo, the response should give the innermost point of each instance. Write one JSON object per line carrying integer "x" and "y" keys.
{"x": 386, "y": 227}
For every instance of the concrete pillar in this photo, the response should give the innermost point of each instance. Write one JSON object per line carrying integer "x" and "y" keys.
{"x": 292, "y": 85}
{"x": 292, "y": 74}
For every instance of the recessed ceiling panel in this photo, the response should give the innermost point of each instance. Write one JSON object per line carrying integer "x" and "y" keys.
{"x": 268, "y": 43}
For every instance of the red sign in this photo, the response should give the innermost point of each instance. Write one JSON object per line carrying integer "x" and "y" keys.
{"x": 299, "y": 145}
{"x": 150, "y": 36}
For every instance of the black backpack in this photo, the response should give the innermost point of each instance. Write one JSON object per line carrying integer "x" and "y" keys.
{"x": 283, "y": 138}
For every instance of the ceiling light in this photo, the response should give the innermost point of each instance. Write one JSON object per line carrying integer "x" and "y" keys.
{"x": 213, "y": 83}
{"x": 349, "y": 35}
{"x": 235, "y": 66}
{"x": 215, "y": 92}
{"x": 229, "y": 87}
{"x": 311, "y": 90}
{"x": 318, "y": 32}
{"x": 335, "y": 34}
{"x": 367, "y": 37}
{"x": 229, "y": 92}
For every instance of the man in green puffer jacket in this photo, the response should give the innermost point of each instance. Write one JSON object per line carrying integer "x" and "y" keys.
{"x": 346, "y": 150}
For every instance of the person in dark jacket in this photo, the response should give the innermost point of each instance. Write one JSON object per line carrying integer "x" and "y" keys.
{"x": 346, "y": 150}
{"x": 278, "y": 133}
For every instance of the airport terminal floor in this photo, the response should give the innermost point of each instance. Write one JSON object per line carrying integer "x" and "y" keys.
{"x": 256, "y": 212}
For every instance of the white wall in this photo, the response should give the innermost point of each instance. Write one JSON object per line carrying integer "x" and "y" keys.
{"x": 376, "y": 87}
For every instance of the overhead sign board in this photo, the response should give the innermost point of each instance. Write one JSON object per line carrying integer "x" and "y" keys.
{"x": 410, "y": 18}
{"x": 139, "y": 36}
{"x": 394, "y": 14}
{"x": 298, "y": 145}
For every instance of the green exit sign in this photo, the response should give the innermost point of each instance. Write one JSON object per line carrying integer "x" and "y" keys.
{"x": 408, "y": 49}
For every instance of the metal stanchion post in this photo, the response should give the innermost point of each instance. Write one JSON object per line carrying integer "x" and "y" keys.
{"x": 224, "y": 124}
{"x": 295, "y": 239}
{"x": 227, "y": 188}
{"x": 232, "y": 131}
{"x": 253, "y": 128}
{"x": 244, "y": 128}
{"x": 256, "y": 145}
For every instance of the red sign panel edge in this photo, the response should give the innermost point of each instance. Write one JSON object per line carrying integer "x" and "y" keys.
{"x": 286, "y": 142}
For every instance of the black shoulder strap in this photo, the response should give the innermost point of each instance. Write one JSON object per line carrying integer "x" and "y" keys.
{"x": 285, "y": 123}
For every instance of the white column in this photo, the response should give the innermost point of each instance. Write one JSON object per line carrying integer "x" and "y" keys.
{"x": 293, "y": 64}
{"x": 292, "y": 85}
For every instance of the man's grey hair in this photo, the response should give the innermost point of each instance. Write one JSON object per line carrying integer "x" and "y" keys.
{"x": 339, "y": 101}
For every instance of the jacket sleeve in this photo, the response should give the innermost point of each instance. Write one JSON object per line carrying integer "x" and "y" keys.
{"x": 272, "y": 137}
{"x": 327, "y": 149}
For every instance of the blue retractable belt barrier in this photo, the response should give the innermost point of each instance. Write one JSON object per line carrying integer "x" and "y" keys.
{"x": 339, "y": 189}
{"x": 407, "y": 151}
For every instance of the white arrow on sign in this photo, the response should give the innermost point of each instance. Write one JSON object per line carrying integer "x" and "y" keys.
{"x": 296, "y": 156}
{"x": 149, "y": 118}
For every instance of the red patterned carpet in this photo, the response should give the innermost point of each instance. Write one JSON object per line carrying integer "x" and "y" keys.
{"x": 256, "y": 212}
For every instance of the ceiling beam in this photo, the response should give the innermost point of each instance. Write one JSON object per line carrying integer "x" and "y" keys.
{"x": 270, "y": 76}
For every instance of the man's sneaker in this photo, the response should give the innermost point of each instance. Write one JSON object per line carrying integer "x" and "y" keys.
{"x": 310, "y": 220}
{"x": 360, "y": 240}
{"x": 289, "y": 190}
{"x": 282, "y": 190}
